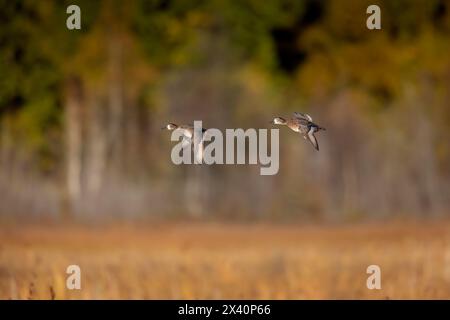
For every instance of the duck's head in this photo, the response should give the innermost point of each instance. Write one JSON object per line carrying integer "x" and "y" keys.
{"x": 278, "y": 120}
{"x": 170, "y": 126}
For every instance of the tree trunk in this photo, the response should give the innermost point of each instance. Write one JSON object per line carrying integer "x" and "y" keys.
{"x": 115, "y": 101}
{"x": 73, "y": 145}
{"x": 96, "y": 155}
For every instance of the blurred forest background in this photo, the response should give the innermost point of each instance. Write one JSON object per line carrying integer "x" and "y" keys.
{"x": 81, "y": 110}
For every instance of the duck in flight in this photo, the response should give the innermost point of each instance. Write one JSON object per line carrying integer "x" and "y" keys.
{"x": 188, "y": 137}
{"x": 302, "y": 123}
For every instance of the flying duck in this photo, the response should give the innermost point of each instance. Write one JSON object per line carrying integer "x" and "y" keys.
{"x": 303, "y": 124}
{"x": 188, "y": 137}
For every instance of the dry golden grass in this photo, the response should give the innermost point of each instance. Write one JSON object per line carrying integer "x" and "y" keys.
{"x": 216, "y": 261}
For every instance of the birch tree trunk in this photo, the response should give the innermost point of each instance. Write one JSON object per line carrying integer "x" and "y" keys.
{"x": 73, "y": 129}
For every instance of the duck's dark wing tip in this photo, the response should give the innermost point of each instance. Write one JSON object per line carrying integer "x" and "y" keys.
{"x": 313, "y": 140}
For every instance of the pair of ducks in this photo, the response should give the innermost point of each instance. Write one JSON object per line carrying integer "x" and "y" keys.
{"x": 300, "y": 122}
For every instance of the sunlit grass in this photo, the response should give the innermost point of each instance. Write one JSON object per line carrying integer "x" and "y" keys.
{"x": 217, "y": 261}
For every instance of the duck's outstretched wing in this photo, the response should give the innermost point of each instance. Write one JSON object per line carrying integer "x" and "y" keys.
{"x": 299, "y": 115}
{"x": 312, "y": 139}
{"x": 198, "y": 152}
{"x": 198, "y": 143}
{"x": 304, "y": 116}
{"x": 186, "y": 142}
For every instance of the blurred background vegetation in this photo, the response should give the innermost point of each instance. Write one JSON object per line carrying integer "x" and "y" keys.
{"x": 81, "y": 110}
